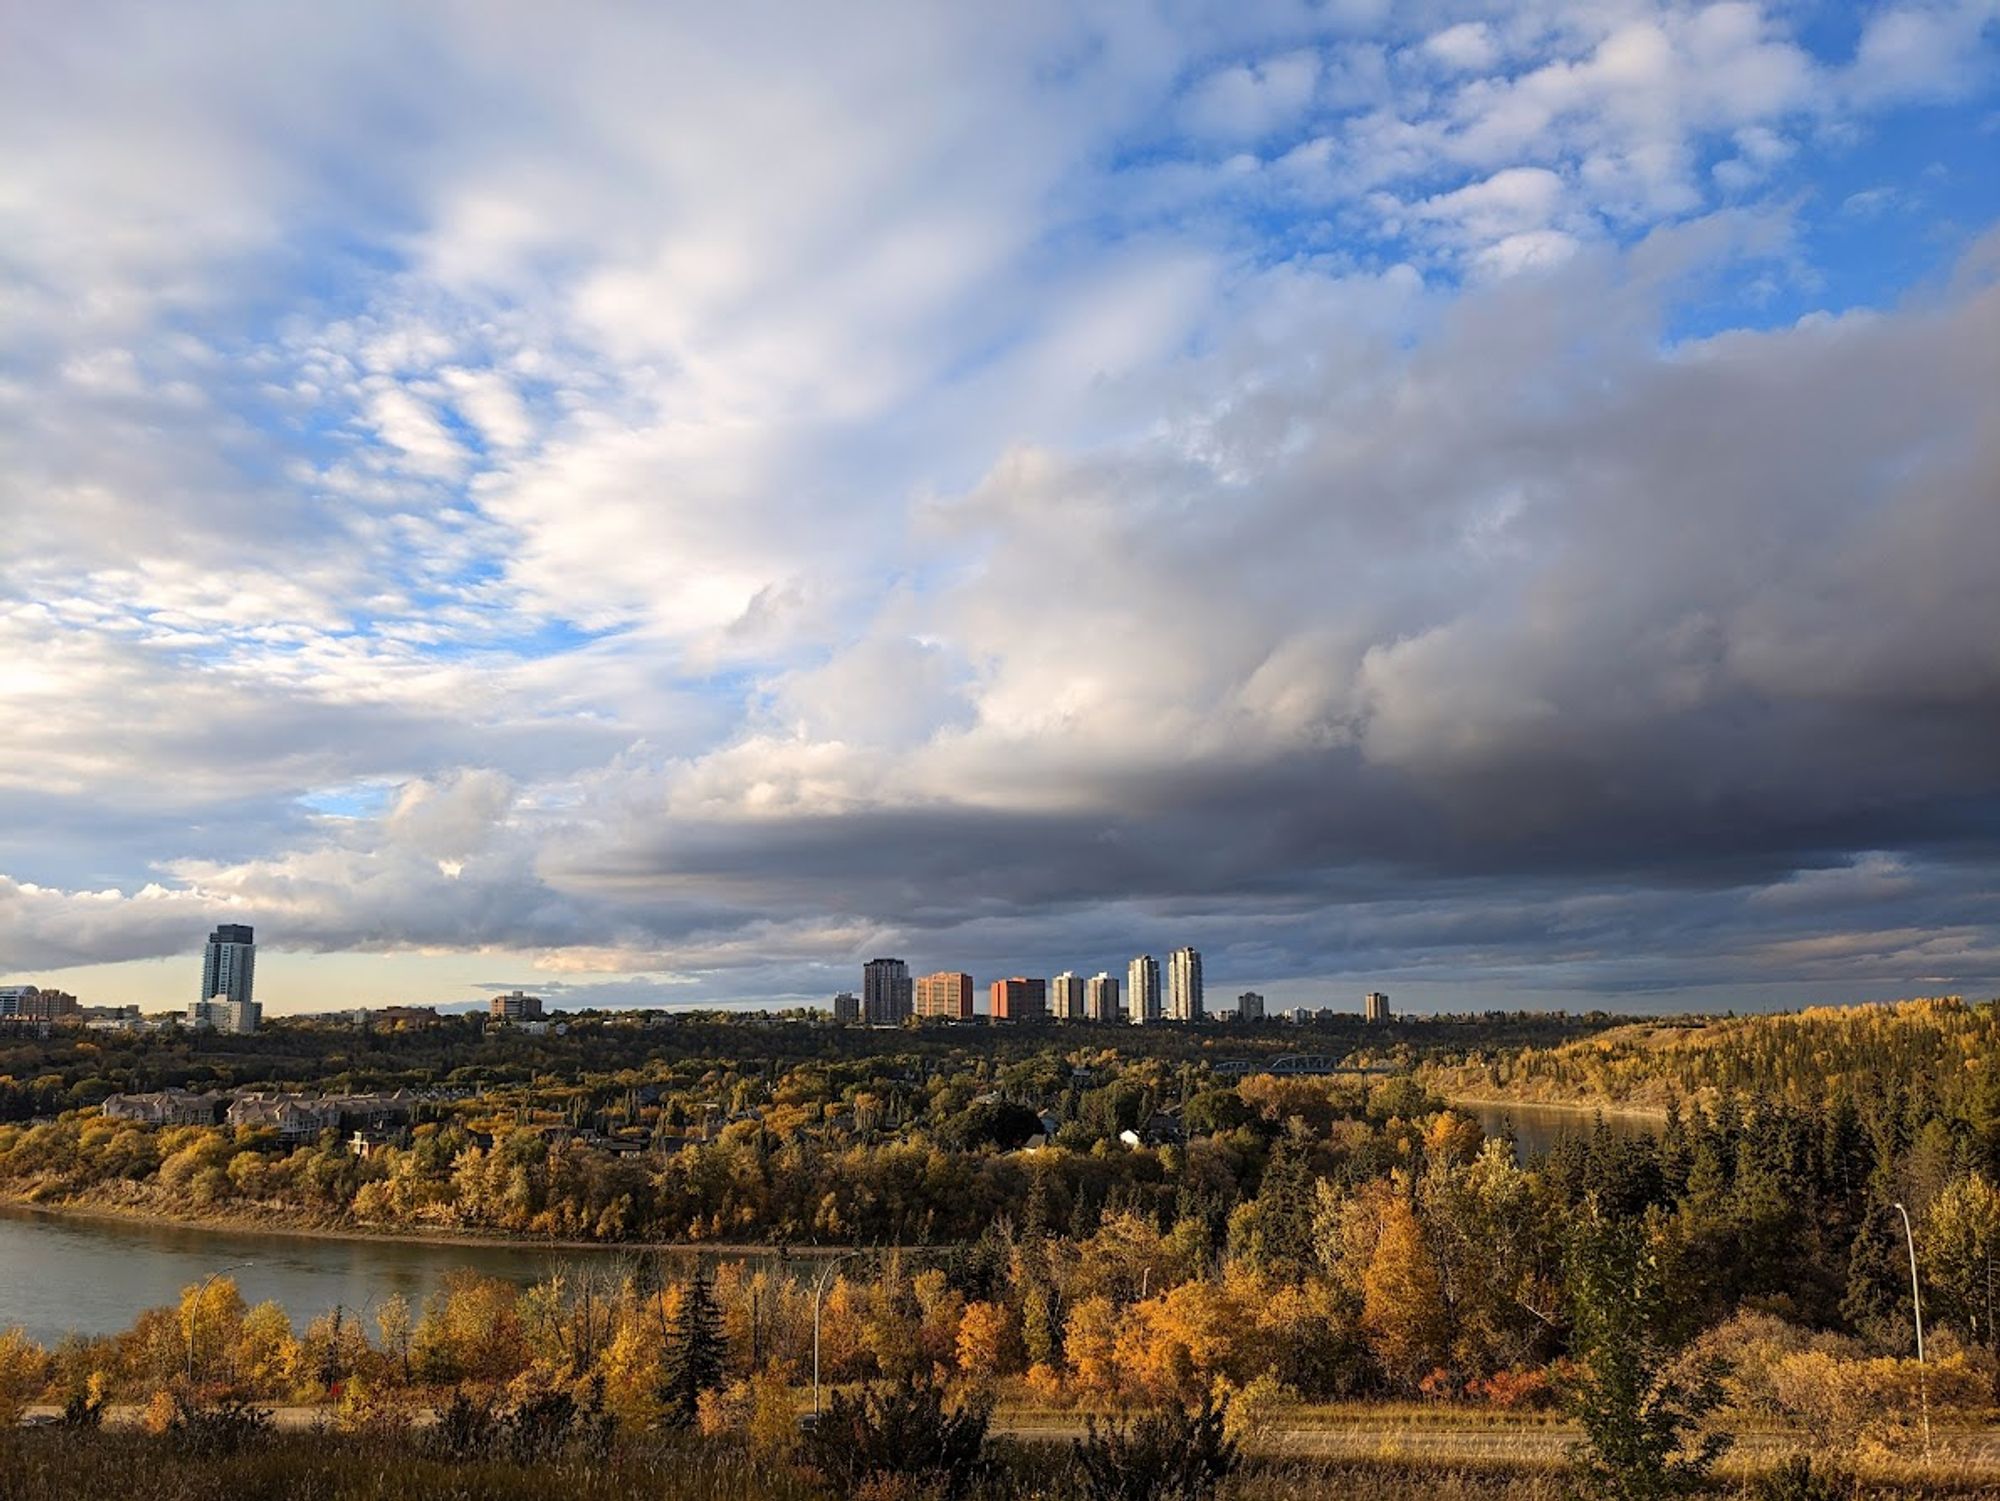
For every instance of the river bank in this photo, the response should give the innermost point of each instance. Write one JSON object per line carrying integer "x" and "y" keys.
{"x": 441, "y": 1236}
{"x": 1489, "y": 1104}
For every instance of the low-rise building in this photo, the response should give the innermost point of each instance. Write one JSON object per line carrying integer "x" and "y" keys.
{"x": 35, "y": 1004}
{"x": 515, "y": 1007}
{"x": 224, "y": 1014}
{"x": 164, "y": 1107}
{"x": 295, "y": 1118}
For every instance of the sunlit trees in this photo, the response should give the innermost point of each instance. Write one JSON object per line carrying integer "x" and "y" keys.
{"x": 1961, "y": 1256}
{"x": 24, "y": 1370}
{"x": 1403, "y": 1308}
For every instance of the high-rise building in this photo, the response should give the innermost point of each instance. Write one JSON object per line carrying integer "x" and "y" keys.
{"x": 1100, "y": 998}
{"x": 948, "y": 993}
{"x": 229, "y": 967}
{"x": 1249, "y": 1007}
{"x": 1019, "y": 1000}
{"x": 846, "y": 1008}
{"x": 1066, "y": 997}
{"x": 1142, "y": 991}
{"x": 1375, "y": 1007}
{"x": 515, "y": 1007}
{"x": 1184, "y": 1000}
{"x": 887, "y": 997}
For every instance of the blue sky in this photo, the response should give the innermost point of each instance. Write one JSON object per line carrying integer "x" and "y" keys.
{"x": 1490, "y": 502}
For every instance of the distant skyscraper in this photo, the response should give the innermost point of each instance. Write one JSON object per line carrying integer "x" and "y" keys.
{"x": 1184, "y": 1001}
{"x": 948, "y": 993}
{"x": 1019, "y": 1000}
{"x": 1249, "y": 1007}
{"x": 1100, "y": 998}
{"x": 1066, "y": 997}
{"x": 229, "y": 967}
{"x": 846, "y": 1008}
{"x": 887, "y": 998}
{"x": 1376, "y": 1007}
{"x": 1142, "y": 990}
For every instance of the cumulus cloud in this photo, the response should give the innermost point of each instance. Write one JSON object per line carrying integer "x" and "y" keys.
{"x": 1014, "y": 487}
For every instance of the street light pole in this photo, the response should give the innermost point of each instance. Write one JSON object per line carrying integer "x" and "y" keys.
{"x": 194, "y": 1313}
{"x": 819, "y": 1291}
{"x": 1917, "y": 1308}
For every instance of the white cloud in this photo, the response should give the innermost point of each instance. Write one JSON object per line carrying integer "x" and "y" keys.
{"x": 719, "y": 467}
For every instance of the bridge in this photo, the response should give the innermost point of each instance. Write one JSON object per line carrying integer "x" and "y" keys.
{"x": 1297, "y": 1065}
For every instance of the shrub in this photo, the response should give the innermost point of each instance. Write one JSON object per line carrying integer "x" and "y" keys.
{"x": 906, "y": 1432}
{"x": 1798, "y": 1479}
{"x": 546, "y": 1424}
{"x": 201, "y": 1429}
{"x": 1176, "y": 1454}
{"x": 464, "y": 1428}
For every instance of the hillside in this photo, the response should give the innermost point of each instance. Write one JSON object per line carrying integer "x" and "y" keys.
{"x": 1942, "y": 1045}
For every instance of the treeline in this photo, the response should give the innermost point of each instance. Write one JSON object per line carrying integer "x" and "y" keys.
{"x": 601, "y": 1055}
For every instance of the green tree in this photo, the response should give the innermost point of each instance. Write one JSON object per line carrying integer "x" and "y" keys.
{"x": 1640, "y": 1412}
{"x": 691, "y": 1362}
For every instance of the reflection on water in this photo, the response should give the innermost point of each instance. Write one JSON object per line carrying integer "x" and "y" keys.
{"x": 59, "y": 1274}
{"x": 1537, "y": 1128}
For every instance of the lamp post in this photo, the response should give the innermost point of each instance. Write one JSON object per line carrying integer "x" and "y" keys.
{"x": 1917, "y": 1308}
{"x": 194, "y": 1313}
{"x": 819, "y": 1292}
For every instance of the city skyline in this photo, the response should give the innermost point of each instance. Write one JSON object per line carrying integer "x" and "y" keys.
{"x": 1493, "y": 505}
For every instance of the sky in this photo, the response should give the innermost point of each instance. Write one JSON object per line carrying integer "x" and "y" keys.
{"x": 658, "y": 505}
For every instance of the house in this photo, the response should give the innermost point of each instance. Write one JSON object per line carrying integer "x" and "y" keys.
{"x": 365, "y": 1144}
{"x": 166, "y": 1107}
{"x": 295, "y": 1118}
{"x": 374, "y": 1112}
{"x": 1159, "y": 1129}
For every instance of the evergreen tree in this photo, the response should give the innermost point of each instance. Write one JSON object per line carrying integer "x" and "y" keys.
{"x": 692, "y": 1361}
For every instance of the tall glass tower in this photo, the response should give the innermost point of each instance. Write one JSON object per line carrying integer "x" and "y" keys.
{"x": 229, "y": 966}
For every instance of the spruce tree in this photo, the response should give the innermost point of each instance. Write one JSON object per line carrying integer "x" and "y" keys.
{"x": 692, "y": 1360}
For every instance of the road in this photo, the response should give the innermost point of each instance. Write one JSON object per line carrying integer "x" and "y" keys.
{"x": 1964, "y": 1452}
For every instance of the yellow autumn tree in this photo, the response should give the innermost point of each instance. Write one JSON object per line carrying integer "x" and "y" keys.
{"x": 1173, "y": 1347}
{"x": 989, "y": 1341}
{"x": 1403, "y": 1309}
{"x": 1090, "y": 1343}
{"x": 211, "y": 1320}
{"x": 23, "y": 1373}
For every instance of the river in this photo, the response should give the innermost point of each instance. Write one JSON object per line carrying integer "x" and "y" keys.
{"x": 61, "y": 1274}
{"x": 1539, "y": 1127}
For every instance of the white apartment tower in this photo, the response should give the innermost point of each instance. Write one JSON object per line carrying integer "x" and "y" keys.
{"x": 1100, "y": 998}
{"x": 1142, "y": 990}
{"x": 1249, "y": 1007}
{"x": 1066, "y": 997}
{"x": 1184, "y": 985}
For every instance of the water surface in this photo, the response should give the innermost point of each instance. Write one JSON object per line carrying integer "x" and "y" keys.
{"x": 60, "y": 1274}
